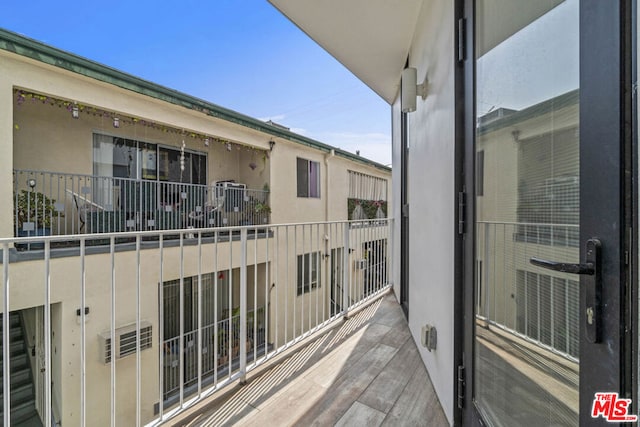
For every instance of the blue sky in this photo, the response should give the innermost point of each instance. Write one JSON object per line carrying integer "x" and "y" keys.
{"x": 240, "y": 54}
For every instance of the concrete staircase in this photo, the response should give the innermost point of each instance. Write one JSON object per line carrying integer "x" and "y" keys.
{"x": 23, "y": 409}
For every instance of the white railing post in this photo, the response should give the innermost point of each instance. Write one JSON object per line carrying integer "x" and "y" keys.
{"x": 112, "y": 358}
{"x": 487, "y": 264}
{"x": 6, "y": 347}
{"x": 83, "y": 332}
{"x": 243, "y": 306}
{"x": 391, "y": 272}
{"x": 199, "y": 338}
{"x": 138, "y": 360}
{"x": 181, "y": 342}
{"x": 161, "y": 329}
{"x": 47, "y": 331}
{"x": 345, "y": 272}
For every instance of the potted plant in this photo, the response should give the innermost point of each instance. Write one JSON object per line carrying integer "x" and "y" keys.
{"x": 223, "y": 355}
{"x": 35, "y": 210}
{"x": 263, "y": 209}
{"x": 236, "y": 348}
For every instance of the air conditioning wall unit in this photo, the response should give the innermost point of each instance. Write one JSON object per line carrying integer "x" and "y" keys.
{"x": 125, "y": 341}
{"x": 235, "y": 195}
{"x": 221, "y": 186}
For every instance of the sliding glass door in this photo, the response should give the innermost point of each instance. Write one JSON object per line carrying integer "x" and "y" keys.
{"x": 550, "y": 208}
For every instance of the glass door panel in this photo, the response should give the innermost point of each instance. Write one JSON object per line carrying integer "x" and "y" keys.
{"x": 527, "y": 205}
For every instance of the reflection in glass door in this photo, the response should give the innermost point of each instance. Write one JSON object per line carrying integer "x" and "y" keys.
{"x": 527, "y": 205}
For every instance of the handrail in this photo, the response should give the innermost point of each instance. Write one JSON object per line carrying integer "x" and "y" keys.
{"x": 112, "y": 204}
{"x": 533, "y": 224}
{"x": 268, "y": 272}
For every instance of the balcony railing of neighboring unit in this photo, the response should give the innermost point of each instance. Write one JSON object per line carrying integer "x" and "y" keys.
{"x": 172, "y": 324}
{"x": 536, "y": 304}
{"x": 52, "y": 203}
{"x": 228, "y": 338}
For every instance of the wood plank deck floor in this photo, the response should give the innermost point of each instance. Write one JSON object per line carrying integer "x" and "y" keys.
{"x": 365, "y": 371}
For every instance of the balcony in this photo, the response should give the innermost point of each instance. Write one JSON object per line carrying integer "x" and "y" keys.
{"x": 140, "y": 336}
{"x": 364, "y": 370}
{"x": 535, "y": 304}
{"x": 55, "y": 203}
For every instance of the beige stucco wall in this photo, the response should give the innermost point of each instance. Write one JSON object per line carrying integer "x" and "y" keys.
{"x": 42, "y": 137}
{"x": 6, "y": 148}
{"x": 291, "y": 315}
{"x": 66, "y": 145}
{"x": 47, "y": 138}
{"x": 334, "y": 185}
{"x": 27, "y": 290}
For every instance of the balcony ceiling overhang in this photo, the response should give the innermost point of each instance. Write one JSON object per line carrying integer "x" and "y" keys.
{"x": 371, "y": 38}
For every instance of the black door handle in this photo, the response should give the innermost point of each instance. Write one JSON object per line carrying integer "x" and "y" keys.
{"x": 586, "y": 268}
{"x": 592, "y": 269}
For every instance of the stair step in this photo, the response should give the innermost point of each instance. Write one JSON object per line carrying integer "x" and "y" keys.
{"x": 14, "y": 319}
{"x": 15, "y": 334}
{"x": 15, "y": 349}
{"x": 21, "y": 412}
{"x": 19, "y": 395}
{"x": 20, "y": 377}
{"x": 18, "y": 361}
{"x": 16, "y": 339}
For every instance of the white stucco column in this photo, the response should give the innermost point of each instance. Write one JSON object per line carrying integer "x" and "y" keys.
{"x": 6, "y": 158}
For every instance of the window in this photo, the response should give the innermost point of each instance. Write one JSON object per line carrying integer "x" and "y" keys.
{"x": 366, "y": 187}
{"x": 549, "y": 188}
{"x": 125, "y": 158}
{"x": 367, "y": 196}
{"x": 308, "y": 272}
{"x": 308, "y": 173}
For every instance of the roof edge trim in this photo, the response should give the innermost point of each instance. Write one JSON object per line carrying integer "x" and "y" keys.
{"x": 33, "y": 49}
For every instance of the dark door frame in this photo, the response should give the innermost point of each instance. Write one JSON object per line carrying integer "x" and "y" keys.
{"x": 605, "y": 38}
{"x": 404, "y": 214}
{"x": 607, "y": 176}
{"x": 464, "y": 206}
{"x": 466, "y": 128}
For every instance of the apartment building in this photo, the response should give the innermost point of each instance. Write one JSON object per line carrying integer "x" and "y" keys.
{"x": 515, "y": 171}
{"x": 154, "y": 245}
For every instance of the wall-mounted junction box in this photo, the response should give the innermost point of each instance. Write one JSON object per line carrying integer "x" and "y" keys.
{"x": 429, "y": 337}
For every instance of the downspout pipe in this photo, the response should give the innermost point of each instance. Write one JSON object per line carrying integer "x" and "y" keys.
{"x": 327, "y": 156}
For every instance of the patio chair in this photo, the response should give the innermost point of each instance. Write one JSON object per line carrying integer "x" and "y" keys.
{"x": 84, "y": 206}
{"x": 211, "y": 208}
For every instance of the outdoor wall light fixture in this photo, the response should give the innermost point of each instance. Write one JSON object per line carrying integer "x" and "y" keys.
{"x": 116, "y": 122}
{"x": 411, "y": 89}
{"x": 228, "y": 146}
{"x": 206, "y": 142}
{"x": 272, "y": 144}
{"x": 31, "y": 182}
{"x": 75, "y": 113}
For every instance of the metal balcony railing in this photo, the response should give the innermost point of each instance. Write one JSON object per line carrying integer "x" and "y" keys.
{"x": 534, "y": 303}
{"x": 53, "y": 203}
{"x": 134, "y": 336}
